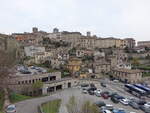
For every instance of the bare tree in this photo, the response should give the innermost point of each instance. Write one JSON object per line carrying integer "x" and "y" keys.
{"x": 72, "y": 105}
{"x": 85, "y": 107}
{"x": 88, "y": 107}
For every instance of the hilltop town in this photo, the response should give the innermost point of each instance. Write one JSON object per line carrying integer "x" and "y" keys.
{"x": 60, "y": 60}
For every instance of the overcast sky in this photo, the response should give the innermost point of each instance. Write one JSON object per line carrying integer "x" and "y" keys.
{"x": 104, "y": 18}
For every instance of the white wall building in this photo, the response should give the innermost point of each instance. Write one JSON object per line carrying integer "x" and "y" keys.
{"x": 32, "y": 50}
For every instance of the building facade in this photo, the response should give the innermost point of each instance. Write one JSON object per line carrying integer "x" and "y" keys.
{"x": 32, "y": 50}
{"x": 74, "y": 65}
{"x": 127, "y": 75}
{"x": 143, "y": 43}
{"x": 130, "y": 42}
{"x": 102, "y": 67}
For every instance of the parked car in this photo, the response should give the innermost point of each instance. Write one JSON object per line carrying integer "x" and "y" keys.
{"x": 119, "y": 110}
{"x": 11, "y": 109}
{"x": 141, "y": 103}
{"x": 100, "y": 103}
{"x": 105, "y": 96}
{"x": 91, "y": 92}
{"x": 120, "y": 97}
{"x": 105, "y": 92}
{"x": 103, "y": 84}
{"x": 112, "y": 94}
{"x": 84, "y": 86}
{"x": 114, "y": 99}
{"x": 147, "y": 105}
{"x": 106, "y": 111}
{"x": 124, "y": 101}
{"x": 147, "y": 110}
{"x": 84, "y": 91}
{"x": 116, "y": 81}
{"x": 25, "y": 71}
{"x": 134, "y": 104}
{"x": 109, "y": 107}
{"x": 92, "y": 85}
{"x": 92, "y": 88}
{"x": 97, "y": 92}
{"x": 32, "y": 67}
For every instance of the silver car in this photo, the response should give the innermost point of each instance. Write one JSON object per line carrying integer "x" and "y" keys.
{"x": 11, "y": 109}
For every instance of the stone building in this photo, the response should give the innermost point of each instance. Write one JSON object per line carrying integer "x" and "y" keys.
{"x": 52, "y": 82}
{"x": 102, "y": 67}
{"x": 113, "y": 60}
{"x": 70, "y": 37}
{"x": 120, "y": 43}
{"x": 87, "y": 42}
{"x": 41, "y": 57}
{"x": 36, "y": 37}
{"x": 120, "y": 55}
{"x": 19, "y": 82}
{"x": 32, "y": 50}
{"x": 74, "y": 65}
{"x": 127, "y": 75}
{"x": 143, "y": 43}
{"x": 56, "y": 63}
{"x": 84, "y": 52}
{"x": 110, "y": 42}
{"x": 130, "y": 42}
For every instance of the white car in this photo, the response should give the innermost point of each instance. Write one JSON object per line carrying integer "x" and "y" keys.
{"x": 106, "y": 111}
{"x": 97, "y": 92}
{"x": 84, "y": 91}
{"x": 11, "y": 109}
{"x": 109, "y": 107}
{"x": 124, "y": 101}
{"x": 147, "y": 105}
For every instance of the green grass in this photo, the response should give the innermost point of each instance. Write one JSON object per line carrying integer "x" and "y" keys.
{"x": 52, "y": 106}
{"x": 18, "y": 97}
{"x": 1, "y": 100}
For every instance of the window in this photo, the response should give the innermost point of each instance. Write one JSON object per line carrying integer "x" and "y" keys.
{"x": 22, "y": 82}
{"x": 19, "y": 82}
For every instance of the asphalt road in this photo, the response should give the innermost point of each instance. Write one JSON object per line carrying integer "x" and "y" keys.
{"x": 30, "y": 106}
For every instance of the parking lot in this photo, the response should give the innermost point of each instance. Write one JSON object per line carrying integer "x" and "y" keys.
{"x": 64, "y": 95}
